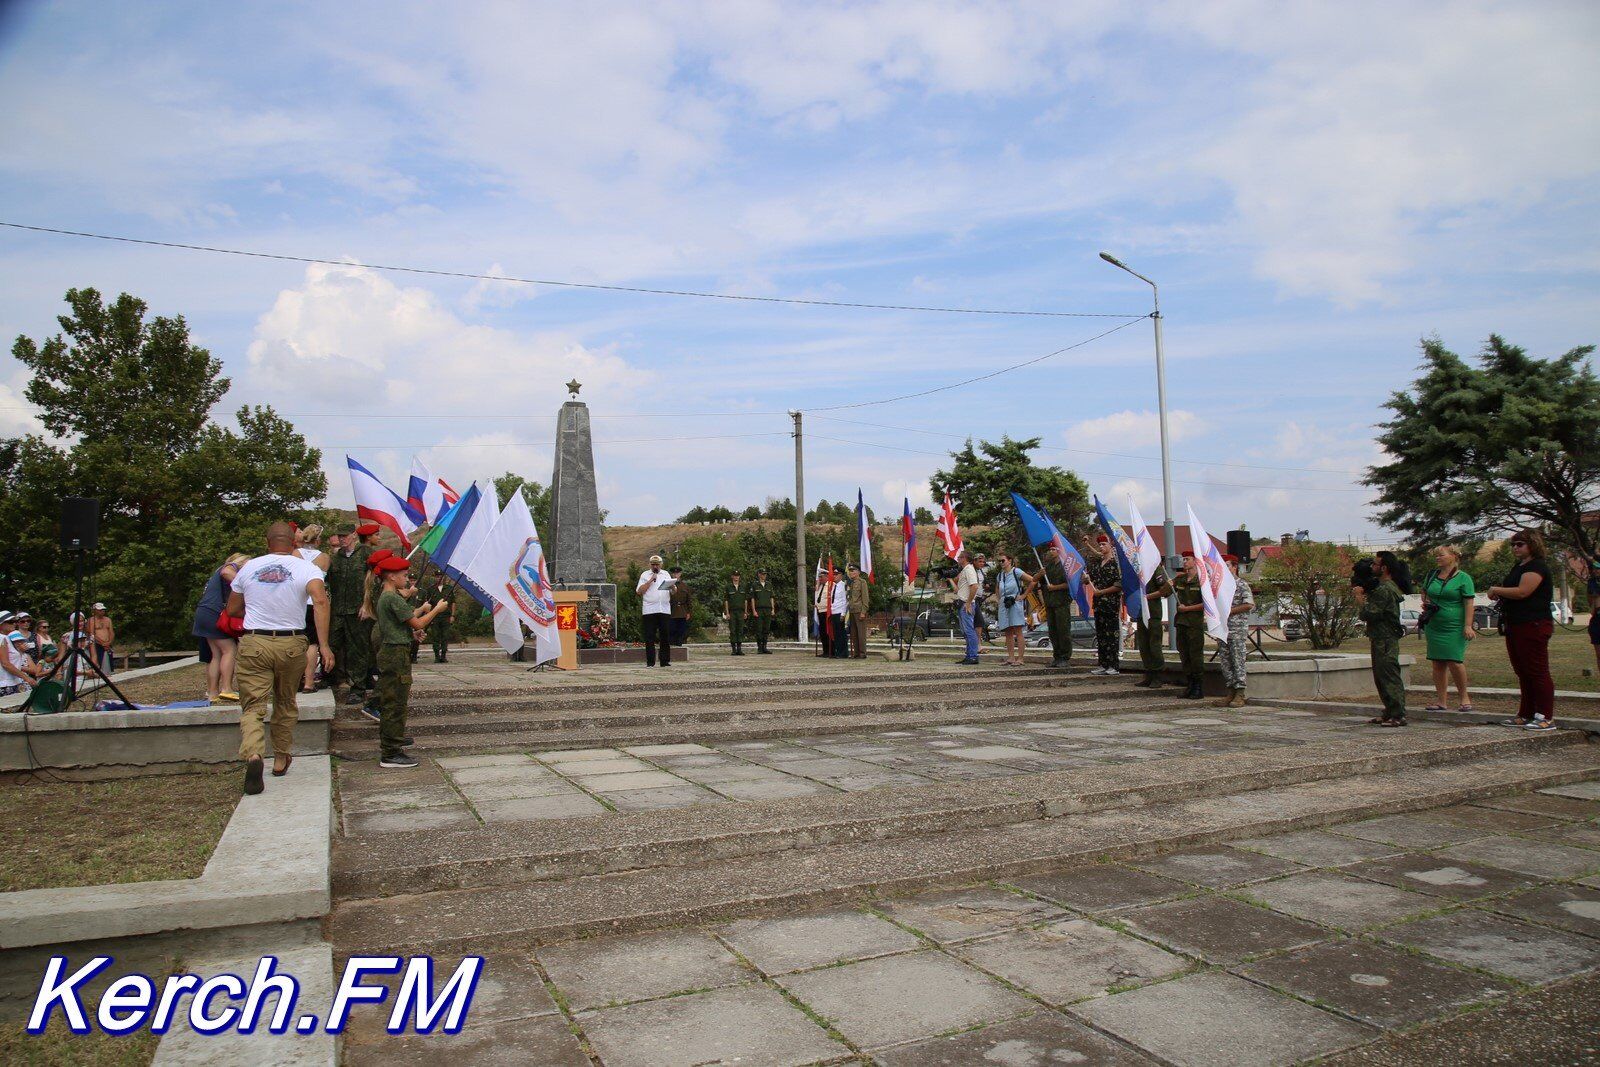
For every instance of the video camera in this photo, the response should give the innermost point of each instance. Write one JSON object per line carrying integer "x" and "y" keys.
{"x": 1364, "y": 574}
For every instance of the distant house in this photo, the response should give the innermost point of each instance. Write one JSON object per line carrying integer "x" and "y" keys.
{"x": 1181, "y": 534}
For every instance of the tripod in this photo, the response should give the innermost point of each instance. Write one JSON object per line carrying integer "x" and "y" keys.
{"x": 75, "y": 651}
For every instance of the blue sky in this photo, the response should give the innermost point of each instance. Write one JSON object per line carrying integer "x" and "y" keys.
{"x": 1314, "y": 186}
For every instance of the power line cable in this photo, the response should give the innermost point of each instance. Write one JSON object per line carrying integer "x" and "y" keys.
{"x": 438, "y": 273}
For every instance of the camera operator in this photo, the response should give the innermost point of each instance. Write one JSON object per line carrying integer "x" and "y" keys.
{"x": 1378, "y": 592}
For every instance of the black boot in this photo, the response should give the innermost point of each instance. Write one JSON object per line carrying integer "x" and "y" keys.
{"x": 1149, "y": 680}
{"x": 1194, "y": 692}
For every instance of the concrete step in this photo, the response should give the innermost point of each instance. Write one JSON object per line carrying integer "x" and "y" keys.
{"x": 1570, "y": 716}
{"x": 535, "y": 912}
{"x": 380, "y": 865}
{"x": 429, "y": 719}
{"x": 528, "y": 734}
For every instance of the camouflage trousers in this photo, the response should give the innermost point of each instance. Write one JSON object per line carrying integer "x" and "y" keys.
{"x": 1234, "y": 652}
{"x": 394, "y": 696}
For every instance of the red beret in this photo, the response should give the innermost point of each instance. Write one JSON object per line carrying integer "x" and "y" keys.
{"x": 378, "y": 557}
{"x": 391, "y": 562}
{"x": 1186, "y": 554}
{"x": 366, "y": 529}
{"x": 1103, "y": 539}
{"x": 1229, "y": 557}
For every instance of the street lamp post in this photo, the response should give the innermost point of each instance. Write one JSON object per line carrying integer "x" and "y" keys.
{"x": 1166, "y": 454}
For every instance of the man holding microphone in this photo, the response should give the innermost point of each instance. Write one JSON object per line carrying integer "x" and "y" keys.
{"x": 655, "y": 592}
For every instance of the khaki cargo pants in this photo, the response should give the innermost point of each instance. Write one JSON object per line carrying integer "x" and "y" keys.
{"x": 268, "y": 672}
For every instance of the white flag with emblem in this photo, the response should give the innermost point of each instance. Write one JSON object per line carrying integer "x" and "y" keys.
{"x": 1216, "y": 580}
{"x": 510, "y": 568}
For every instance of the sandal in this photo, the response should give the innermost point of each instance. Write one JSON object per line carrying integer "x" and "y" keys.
{"x": 1391, "y": 723}
{"x": 1376, "y": 722}
{"x": 1436, "y": 707}
{"x": 1465, "y": 707}
{"x": 288, "y": 761}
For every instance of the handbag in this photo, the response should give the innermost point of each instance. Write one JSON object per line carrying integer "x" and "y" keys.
{"x": 1431, "y": 608}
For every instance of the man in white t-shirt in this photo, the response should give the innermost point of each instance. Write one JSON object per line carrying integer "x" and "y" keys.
{"x": 967, "y": 586}
{"x": 655, "y": 591}
{"x": 269, "y": 593}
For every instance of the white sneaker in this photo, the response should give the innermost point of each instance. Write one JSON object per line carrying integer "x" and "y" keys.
{"x": 1098, "y": 670}
{"x": 1110, "y": 671}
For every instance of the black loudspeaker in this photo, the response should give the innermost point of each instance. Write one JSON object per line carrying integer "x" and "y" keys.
{"x": 1239, "y": 545}
{"x": 80, "y": 523}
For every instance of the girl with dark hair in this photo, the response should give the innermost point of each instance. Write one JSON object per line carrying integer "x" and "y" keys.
{"x": 1525, "y": 602}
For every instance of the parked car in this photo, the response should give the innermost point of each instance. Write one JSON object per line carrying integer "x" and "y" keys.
{"x": 931, "y": 622}
{"x": 1408, "y": 620}
{"x": 1082, "y": 634}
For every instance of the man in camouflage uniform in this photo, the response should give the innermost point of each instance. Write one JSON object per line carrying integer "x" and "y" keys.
{"x": 434, "y": 590}
{"x": 1191, "y": 626}
{"x": 1380, "y": 610}
{"x": 346, "y": 581}
{"x": 735, "y": 606}
{"x": 1237, "y": 649}
{"x": 1105, "y": 585}
{"x": 1051, "y": 579}
{"x": 762, "y": 597}
{"x": 1148, "y": 634}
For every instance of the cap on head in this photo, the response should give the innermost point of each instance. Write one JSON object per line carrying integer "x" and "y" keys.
{"x": 344, "y": 529}
{"x": 674, "y": 570}
{"x": 366, "y": 529}
{"x": 735, "y": 574}
{"x": 761, "y": 570}
{"x": 655, "y": 559}
{"x": 1229, "y": 557}
{"x": 855, "y": 567}
{"x": 378, "y": 557}
{"x": 390, "y": 564}
{"x": 22, "y": 616}
{"x": 5, "y": 617}
{"x": 1102, "y": 539}
{"x": 97, "y": 606}
{"x": 1186, "y": 554}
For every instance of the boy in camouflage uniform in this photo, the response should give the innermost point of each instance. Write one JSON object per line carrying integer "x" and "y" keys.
{"x": 1105, "y": 585}
{"x": 1237, "y": 649}
{"x": 1191, "y": 626}
{"x": 1148, "y": 633}
{"x": 396, "y": 621}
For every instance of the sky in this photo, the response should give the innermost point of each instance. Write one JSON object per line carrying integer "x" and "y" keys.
{"x": 1314, "y": 186}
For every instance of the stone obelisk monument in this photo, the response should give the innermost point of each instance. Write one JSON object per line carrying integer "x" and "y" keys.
{"x": 575, "y": 550}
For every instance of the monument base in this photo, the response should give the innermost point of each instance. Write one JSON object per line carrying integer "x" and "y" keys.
{"x": 601, "y": 594}
{"x": 623, "y": 654}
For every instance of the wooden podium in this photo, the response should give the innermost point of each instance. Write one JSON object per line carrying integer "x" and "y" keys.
{"x": 567, "y": 601}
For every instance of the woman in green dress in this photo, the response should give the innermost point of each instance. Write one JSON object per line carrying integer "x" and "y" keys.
{"x": 1450, "y": 629}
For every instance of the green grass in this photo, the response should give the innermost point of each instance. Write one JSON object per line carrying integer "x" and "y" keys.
{"x": 66, "y": 833}
{"x": 1570, "y": 655}
{"x": 60, "y": 1047}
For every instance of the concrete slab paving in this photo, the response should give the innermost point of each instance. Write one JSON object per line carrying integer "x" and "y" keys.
{"x": 1408, "y": 830}
{"x": 1584, "y": 834}
{"x": 753, "y": 1026}
{"x": 1338, "y": 900}
{"x": 894, "y": 999}
{"x": 1545, "y": 804}
{"x": 600, "y": 767}
{"x": 607, "y": 783}
{"x": 666, "y": 750}
{"x": 1375, "y": 984}
{"x": 544, "y": 785}
{"x": 1489, "y": 820}
{"x": 1103, "y": 887}
{"x": 1316, "y": 848}
{"x": 1504, "y": 946}
{"x": 489, "y": 759}
{"x": 1221, "y": 930}
{"x": 962, "y": 914}
{"x": 499, "y": 772}
{"x": 545, "y": 1040}
{"x": 553, "y": 807}
{"x": 1218, "y": 868}
{"x": 800, "y": 942}
{"x": 1439, "y": 876}
{"x": 1527, "y": 857}
{"x": 1580, "y": 790}
{"x": 615, "y": 970}
{"x": 422, "y": 796}
{"x": 510, "y": 987}
{"x": 1219, "y": 1020}
{"x": 1037, "y": 1041}
{"x": 1571, "y": 907}
{"x": 769, "y": 789}
{"x": 576, "y": 755}
{"x": 456, "y": 817}
{"x": 1071, "y": 960}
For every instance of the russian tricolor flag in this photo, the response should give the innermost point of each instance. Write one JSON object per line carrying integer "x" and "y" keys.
{"x": 864, "y": 538}
{"x": 908, "y": 554}
{"x": 376, "y": 502}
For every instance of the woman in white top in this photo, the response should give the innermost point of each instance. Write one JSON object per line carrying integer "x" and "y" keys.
{"x": 309, "y": 547}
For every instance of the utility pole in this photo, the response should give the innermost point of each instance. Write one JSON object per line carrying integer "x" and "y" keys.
{"x": 802, "y": 616}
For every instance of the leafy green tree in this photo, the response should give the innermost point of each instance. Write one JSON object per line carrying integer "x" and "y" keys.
{"x": 719, "y": 514}
{"x": 922, "y": 516}
{"x": 982, "y": 480}
{"x": 778, "y": 509}
{"x": 750, "y": 514}
{"x": 695, "y": 515}
{"x": 1313, "y": 577}
{"x": 129, "y": 399}
{"x": 1513, "y": 441}
{"x": 537, "y": 496}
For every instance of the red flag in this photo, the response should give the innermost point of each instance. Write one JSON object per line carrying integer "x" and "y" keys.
{"x": 948, "y": 532}
{"x": 828, "y": 601}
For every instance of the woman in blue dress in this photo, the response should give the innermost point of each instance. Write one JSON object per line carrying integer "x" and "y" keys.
{"x": 219, "y": 669}
{"x": 1010, "y": 594}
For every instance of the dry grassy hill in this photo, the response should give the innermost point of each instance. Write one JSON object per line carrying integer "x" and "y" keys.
{"x": 636, "y": 544}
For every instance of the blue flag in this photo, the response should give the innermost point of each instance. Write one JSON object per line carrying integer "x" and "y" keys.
{"x": 1041, "y": 531}
{"x": 1132, "y": 588}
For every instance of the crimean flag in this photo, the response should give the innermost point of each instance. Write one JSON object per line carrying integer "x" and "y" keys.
{"x": 376, "y": 502}
{"x": 863, "y": 538}
{"x": 441, "y": 526}
{"x": 1041, "y": 531}
{"x": 949, "y": 533}
{"x": 1216, "y": 580}
{"x": 908, "y": 552}
{"x": 1133, "y": 601}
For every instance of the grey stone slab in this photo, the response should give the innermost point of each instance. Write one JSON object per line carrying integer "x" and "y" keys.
{"x": 458, "y": 817}
{"x": 769, "y": 789}
{"x": 828, "y": 768}
{"x": 1218, "y": 868}
{"x": 1490, "y": 820}
{"x": 666, "y": 750}
{"x": 1220, "y": 930}
{"x": 960, "y": 914}
{"x": 525, "y": 808}
{"x": 500, "y": 772}
{"x": 1067, "y": 961}
{"x": 608, "y": 783}
{"x": 1408, "y": 830}
{"x": 681, "y": 796}
{"x": 1314, "y": 848}
{"x": 616, "y": 970}
{"x": 742, "y": 772}
{"x": 575, "y": 755}
{"x": 1037, "y": 1041}
{"x": 994, "y": 752}
{"x": 1375, "y": 984}
{"x": 545, "y": 1040}
{"x": 549, "y": 785}
{"x": 1571, "y": 907}
{"x": 860, "y": 783}
{"x": 798, "y": 942}
{"x": 492, "y": 759}
{"x": 1219, "y": 1020}
{"x": 510, "y": 987}
{"x": 748, "y": 1025}
{"x": 1503, "y": 946}
{"x": 1580, "y": 790}
{"x": 1585, "y": 834}
{"x": 1527, "y": 857}
{"x": 1439, "y": 876}
{"x": 1338, "y": 900}
{"x": 601, "y": 767}
{"x": 1102, "y": 887}
{"x": 1546, "y": 804}
{"x": 422, "y": 796}
{"x": 892, "y": 999}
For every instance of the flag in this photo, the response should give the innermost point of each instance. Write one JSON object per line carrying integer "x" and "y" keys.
{"x": 1133, "y": 600}
{"x": 376, "y": 502}
{"x": 507, "y": 630}
{"x": 863, "y": 538}
{"x": 949, "y": 533}
{"x": 1041, "y": 531}
{"x": 1146, "y": 555}
{"x": 510, "y": 567}
{"x": 424, "y": 496}
{"x": 470, "y": 523}
{"x": 441, "y": 526}
{"x": 450, "y": 495}
{"x": 908, "y": 553}
{"x": 833, "y": 578}
{"x": 1216, "y": 580}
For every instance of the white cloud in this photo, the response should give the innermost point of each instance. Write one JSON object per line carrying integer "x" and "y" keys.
{"x": 17, "y": 415}
{"x": 1132, "y": 429}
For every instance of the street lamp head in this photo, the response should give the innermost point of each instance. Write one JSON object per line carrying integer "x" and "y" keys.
{"x": 1113, "y": 260}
